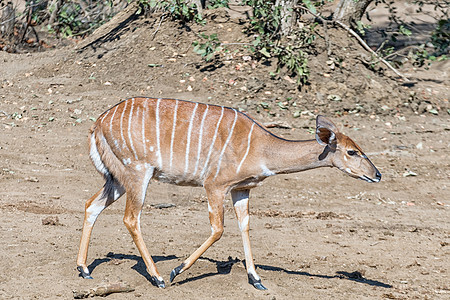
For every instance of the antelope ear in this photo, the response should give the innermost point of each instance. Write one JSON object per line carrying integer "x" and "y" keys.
{"x": 326, "y": 132}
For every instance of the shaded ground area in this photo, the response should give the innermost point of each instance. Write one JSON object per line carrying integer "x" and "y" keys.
{"x": 315, "y": 235}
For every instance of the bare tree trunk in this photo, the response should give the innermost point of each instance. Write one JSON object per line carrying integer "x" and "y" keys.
{"x": 288, "y": 15}
{"x": 53, "y": 7}
{"x": 8, "y": 19}
{"x": 200, "y": 6}
{"x": 350, "y": 12}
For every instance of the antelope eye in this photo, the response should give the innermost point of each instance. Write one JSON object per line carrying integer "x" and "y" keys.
{"x": 351, "y": 152}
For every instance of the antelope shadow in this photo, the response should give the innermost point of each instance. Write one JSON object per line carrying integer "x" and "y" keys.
{"x": 139, "y": 266}
{"x": 224, "y": 267}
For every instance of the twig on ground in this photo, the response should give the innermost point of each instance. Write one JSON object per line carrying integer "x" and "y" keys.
{"x": 226, "y": 44}
{"x": 159, "y": 26}
{"x": 104, "y": 290}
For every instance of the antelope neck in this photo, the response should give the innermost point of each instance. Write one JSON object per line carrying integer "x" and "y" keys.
{"x": 285, "y": 156}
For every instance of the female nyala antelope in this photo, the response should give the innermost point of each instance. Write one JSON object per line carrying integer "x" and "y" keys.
{"x": 218, "y": 148}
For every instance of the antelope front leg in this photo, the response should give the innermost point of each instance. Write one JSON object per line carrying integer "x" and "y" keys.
{"x": 215, "y": 208}
{"x": 94, "y": 206}
{"x": 240, "y": 203}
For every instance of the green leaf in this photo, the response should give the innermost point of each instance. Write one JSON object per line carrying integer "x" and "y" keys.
{"x": 310, "y": 6}
{"x": 281, "y": 105}
{"x": 433, "y": 111}
{"x": 201, "y": 51}
{"x": 264, "y": 52}
{"x": 405, "y": 31}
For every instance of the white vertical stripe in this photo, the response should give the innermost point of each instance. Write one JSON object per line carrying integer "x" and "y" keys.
{"x": 226, "y": 143}
{"x": 188, "y": 143}
{"x": 200, "y": 139}
{"x": 212, "y": 144}
{"x": 121, "y": 125}
{"x": 111, "y": 127}
{"x": 144, "y": 113}
{"x": 111, "y": 121}
{"x": 173, "y": 133}
{"x": 104, "y": 115}
{"x": 158, "y": 145}
{"x": 129, "y": 129}
{"x": 248, "y": 149}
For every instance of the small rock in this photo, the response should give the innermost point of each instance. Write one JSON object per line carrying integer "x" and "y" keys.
{"x": 163, "y": 205}
{"x": 409, "y": 173}
{"x": 32, "y": 179}
{"x": 52, "y": 220}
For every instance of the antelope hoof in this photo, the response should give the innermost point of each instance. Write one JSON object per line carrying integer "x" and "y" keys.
{"x": 158, "y": 282}
{"x": 176, "y": 271}
{"x": 256, "y": 283}
{"x": 84, "y": 274}
{"x": 259, "y": 286}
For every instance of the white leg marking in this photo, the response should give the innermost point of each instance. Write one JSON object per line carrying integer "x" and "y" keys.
{"x": 251, "y": 269}
{"x": 118, "y": 192}
{"x": 212, "y": 144}
{"x": 121, "y": 125}
{"x": 129, "y": 129}
{"x": 188, "y": 142}
{"x": 144, "y": 113}
{"x": 173, "y": 133}
{"x": 226, "y": 143}
{"x": 93, "y": 211}
{"x": 240, "y": 202}
{"x": 244, "y": 223}
{"x": 266, "y": 171}
{"x": 200, "y": 139}
{"x": 111, "y": 128}
{"x": 148, "y": 175}
{"x": 158, "y": 145}
{"x": 248, "y": 149}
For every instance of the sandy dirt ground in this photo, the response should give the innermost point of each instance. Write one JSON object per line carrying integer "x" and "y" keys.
{"x": 315, "y": 235}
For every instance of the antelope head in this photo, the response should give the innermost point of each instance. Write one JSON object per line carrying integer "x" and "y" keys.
{"x": 344, "y": 153}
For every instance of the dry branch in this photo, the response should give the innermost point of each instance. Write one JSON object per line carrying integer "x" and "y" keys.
{"x": 103, "y": 290}
{"x": 360, "y": 40}
{"x": 364, "y": 44}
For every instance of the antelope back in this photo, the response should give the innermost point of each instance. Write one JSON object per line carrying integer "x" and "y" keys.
{"x": 185, "y": 142}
